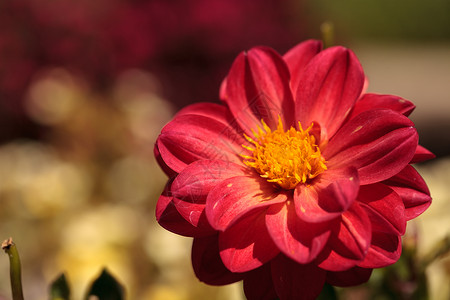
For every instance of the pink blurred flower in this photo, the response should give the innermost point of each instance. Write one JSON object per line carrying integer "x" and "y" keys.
{"x": 177, "y": 40}
{"x": 298, "y": 178}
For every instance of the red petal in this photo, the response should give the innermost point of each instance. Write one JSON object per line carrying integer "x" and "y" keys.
{"x": 384, "y": 251}
{"x": 384, "y": 207}
{"x": 258, "y": 284}
{"x": 330, "y": 260}
{"x": 412, "y": 189}
{"x": 379, "y": 143}
{"x": 208, "y": 266}
{"x": 246, "y": 245}
{"x": 297, "y": 239}
{"x": 328, "y": 89}
{"x": 188, "y": 138}
{"x": 169, "y": 172}
{"x": 168, "y": 217}
{"x": 365, "y": 86}
{"x": 354, "y": 276}
{"x": 374, "y": 101}
{"x": 298, "y": 57}
{"x": 223, "y": 90}
{"x": 349, "y": 246}
{"x": 194, "y": 213}
{"x": 328, "y": 196}
{"x": 191, "y": 187}
{"x": 199, "y": 178}
{"x": 296, "y": 281}
{"x": 422, "y": 154}
{"x": 258, "y": 88}
{"x": 236, "y": 196}
{"x": 211, "y": 110}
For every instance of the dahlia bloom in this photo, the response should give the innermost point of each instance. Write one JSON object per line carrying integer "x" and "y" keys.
{"x": 298, "y": 178}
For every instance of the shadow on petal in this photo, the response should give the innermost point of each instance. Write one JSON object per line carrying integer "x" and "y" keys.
{"x": 296, "y": 281}
{"x": 258, "y": 284}
{"x": 354, "y": 276}
{"x": 170, "y": 218}
{"x": 412, "y": 189}
{"x": 384, "y": 251}
{"x": 349, "y": 245}
{"x": 207, "y": 265}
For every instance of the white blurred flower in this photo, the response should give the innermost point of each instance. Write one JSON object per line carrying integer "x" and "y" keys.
{"x": 53, "y": 96}
{"x": 34, "y": 176}
{"x": 434, "y": 225}
{"x": 137, "y": 94}
{"x": 134, "y": 179}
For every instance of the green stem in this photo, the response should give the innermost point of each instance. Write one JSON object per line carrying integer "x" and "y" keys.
{"x": 14, "y": 268}
{"x": 439, "y": 250}
{"x": 327, "y": 30}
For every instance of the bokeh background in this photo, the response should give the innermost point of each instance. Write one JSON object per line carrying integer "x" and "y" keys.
{"x": 86, "y": 86}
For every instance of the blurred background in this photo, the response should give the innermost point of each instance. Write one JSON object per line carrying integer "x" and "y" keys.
{"x": 86, "y": 86}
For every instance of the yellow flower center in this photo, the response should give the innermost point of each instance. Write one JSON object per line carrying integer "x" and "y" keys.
{"x": 285, "y": 157}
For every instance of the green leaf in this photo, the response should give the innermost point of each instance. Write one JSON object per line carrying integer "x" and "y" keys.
{"x": 106, "y": 287}
{"x": 328, "y": 293}
{"x": 59, "y": 289}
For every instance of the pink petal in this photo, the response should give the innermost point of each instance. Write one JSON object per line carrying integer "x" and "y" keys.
{"x": 257, "y": 88}
{"x": 354, "y": 276}
{"x": 422, "y": 154}
{"x": 350, "y": 245}
{"x": 412, "y": 189}
{"x": 208, "y": 266}
{"x": 298, "y": 57}
{"x": 328, "y": 89}
{"x": 188, "y": 138}
{"x": 374, "y": 101}
{"x": 379, "y": 143}
{"x": 296, "y": 281}
{"x": 297, "y": 239}
{"x": 258, "y": 284}
{"x": 384, "y": 207}
{"x": 384, "y": 251}
{"x": 236, "y": 196}
{"x": 246, "y": 245}
{"x": 328, "y": 196}
{"x": 168, "y": 217}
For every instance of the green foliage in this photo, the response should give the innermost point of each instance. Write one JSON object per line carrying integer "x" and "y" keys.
{"x": 328, "y": 293}
{"x": 385, "y": 19}
{"x": 59, "y": 289}
{"x": 106, "y": 287}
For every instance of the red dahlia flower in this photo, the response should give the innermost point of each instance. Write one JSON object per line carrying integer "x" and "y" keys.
{"x": 297, "y": 179}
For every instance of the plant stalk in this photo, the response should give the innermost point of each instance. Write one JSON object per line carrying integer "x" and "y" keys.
{"x": 327, "y": 31}
{"x": 14, "y": 268}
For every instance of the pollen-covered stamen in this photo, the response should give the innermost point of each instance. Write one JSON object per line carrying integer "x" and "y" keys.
{"x": 285, "y": 157}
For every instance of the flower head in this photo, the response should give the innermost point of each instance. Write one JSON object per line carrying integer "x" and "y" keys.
{"x": 286, "y": 158}
{"x": 298, "y": 178}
